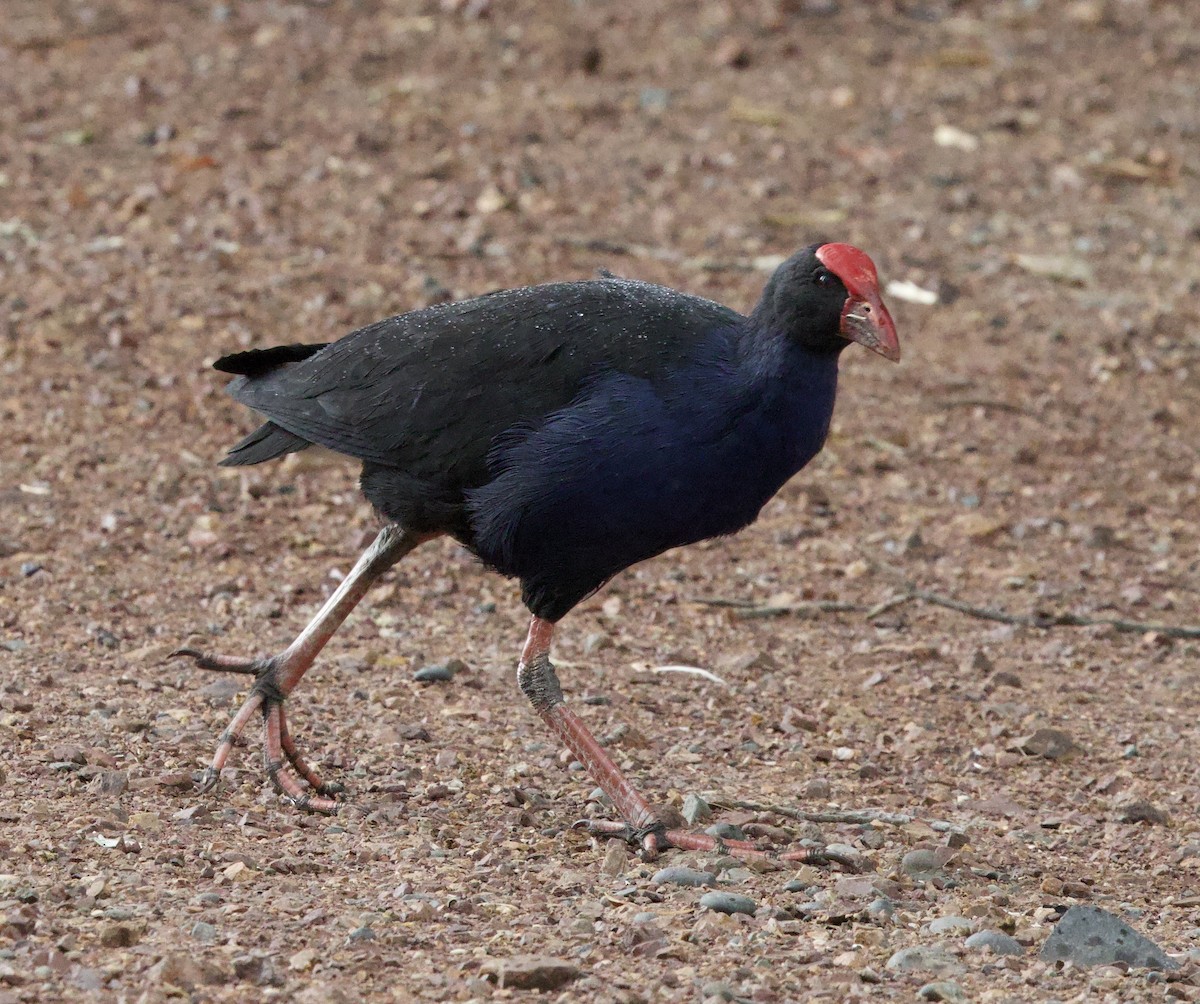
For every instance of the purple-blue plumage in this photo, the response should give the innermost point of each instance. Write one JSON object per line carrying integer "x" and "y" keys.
{"x": 632, "y": 468}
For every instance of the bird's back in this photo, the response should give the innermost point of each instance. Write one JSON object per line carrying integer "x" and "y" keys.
{"x": 424, "y": 395}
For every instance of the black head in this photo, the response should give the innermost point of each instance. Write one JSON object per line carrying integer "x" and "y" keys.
{"x": 825, "y": 297}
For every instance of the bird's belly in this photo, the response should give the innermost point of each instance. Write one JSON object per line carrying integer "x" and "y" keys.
{"x": 593, "y": 492}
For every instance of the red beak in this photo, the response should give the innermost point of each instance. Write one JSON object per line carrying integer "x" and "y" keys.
{"x": 866, "y": 320}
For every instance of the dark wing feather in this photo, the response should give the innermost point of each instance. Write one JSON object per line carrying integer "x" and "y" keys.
{"x": 428, "y": 391}
{"x": 267, "y": 442}
{"x": 257, "y": 362}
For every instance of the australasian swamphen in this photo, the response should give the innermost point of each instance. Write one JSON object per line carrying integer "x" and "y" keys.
{"x": 561, "y": 433}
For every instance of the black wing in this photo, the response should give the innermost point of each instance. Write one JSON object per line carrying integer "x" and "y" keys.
{"x": 428, "y": 391}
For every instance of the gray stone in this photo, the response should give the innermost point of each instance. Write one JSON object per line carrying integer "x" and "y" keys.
{"x": 434, "y": 674}
{"x": 678, "y": 875}
{"x": 727, "y": 902}
{"x": 1052, "y": 744}
{"x": 943, "y": 990}
{"x": 654, "y": 100}
{"x": 733, "y": 876}
{"x": 881, "y": 909}
{"x": 204, "y": 932}
{"x": 726, "y": 831}
{"x": 951, "y": 926}
{"x": 1089, "y": 936}
{"x": 221, "y": 691}
{"x": 921, "y": 864}
{"x": 997, "y": 941}
{"x": 696, "y": 810}
{"x": 844, "y": 852}
{"x": 926, "y": 959}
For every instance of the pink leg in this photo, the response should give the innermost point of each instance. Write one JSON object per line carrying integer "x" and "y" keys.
{"x": 288, "y": 746}
{"x": 277, "y": 676}
{"x": 641, "y": 826}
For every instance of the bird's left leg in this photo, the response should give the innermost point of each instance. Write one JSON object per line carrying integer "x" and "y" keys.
{"x": 642, "y": 825}
{"x": 277, "y": 676}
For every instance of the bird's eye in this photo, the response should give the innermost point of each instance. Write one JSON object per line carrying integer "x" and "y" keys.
{"x": 824, "y": 279}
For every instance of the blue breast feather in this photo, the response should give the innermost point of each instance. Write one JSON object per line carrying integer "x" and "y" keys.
{"x": 630, "y": 469}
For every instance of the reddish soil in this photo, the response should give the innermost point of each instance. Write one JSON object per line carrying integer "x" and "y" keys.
{"x": 182, "y": 180}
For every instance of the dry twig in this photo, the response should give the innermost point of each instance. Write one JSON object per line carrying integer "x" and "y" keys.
{"x": 856, "y": 816}
{"x": 1044, "y": 620}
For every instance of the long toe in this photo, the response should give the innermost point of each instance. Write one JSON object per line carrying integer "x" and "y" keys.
{"x": 221, "y": 663}
{"x": 281, "y": 758}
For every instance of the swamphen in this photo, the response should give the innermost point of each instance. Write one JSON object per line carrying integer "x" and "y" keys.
{"x": 561, "y": 433}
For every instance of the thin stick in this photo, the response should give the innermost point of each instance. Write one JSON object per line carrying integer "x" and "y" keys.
{"x": 748, "y": 610}
{"x": 692, "y": 671}
{"x": 847, "y": 816}
{"x": 1052, "y": 619}
{"x": 982, "y": 402}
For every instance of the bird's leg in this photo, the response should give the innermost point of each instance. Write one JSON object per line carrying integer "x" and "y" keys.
{"x": 642, "y": 825}
{"x": 278, "y": 676}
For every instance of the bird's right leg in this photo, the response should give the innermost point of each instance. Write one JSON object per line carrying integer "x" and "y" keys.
{"x": 641, "y": 825}
{"x": 278, "y": 675}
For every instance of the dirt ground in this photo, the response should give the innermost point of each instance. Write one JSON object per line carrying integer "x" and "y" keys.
{"x": 182, "y": 180}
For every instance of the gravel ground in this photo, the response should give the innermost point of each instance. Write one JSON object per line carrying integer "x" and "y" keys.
{"x": 182, "y": 180}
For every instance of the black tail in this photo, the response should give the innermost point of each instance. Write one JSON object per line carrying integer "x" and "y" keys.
{"x": 266, "y": 442}
{"x": 257, "y": 362}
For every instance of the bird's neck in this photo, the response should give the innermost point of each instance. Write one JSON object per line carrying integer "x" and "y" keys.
{"x": 789, "y": 389}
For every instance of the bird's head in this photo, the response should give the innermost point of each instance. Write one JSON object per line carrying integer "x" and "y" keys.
{"x": 828, "y": 295}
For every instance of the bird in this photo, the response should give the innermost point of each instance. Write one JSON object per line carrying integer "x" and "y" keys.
{"x": 561, "y": 433}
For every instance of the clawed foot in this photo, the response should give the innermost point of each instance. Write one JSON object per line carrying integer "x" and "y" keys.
{"x": 651, "y": 840}
{"x": 266, "y": 697}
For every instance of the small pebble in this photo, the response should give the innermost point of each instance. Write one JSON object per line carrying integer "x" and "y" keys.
{"x": 872, "y": 837}
{"x": 654, "y": 100}
{"x": 997, "y": 941}
{"x": 715, "y": 991}
{"x": 920, "y": 864}
{"x": 727, "y": 902}
{"x": 615, "y": 860}
{"x": 951, "y": 926}
{"x": 696, "y": 810}
{"x": 726, "y": 831}
{"x": 944, "y": 990}
{"x": 925, "y": 958}
{"x": 845, "y": 852}
{"x": 817, "y": 788}
{"x": 595, "y": 641}
{"x": 204, "y": 932}
{"x": 735, "y": 876}
{"x": 434, "y": 674}
{"x": 119, "y": 935}
{"x": 678, "y": 875}
{"x": 881, "y": 909}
